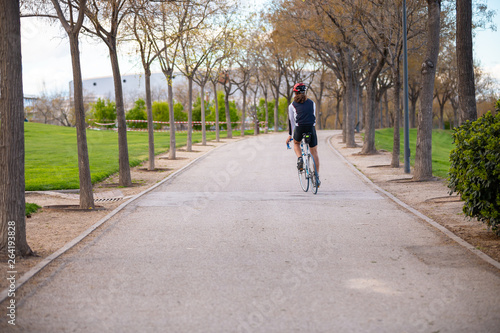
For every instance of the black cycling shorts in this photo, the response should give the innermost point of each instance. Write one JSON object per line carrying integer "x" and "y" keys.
{"x": 300, "y": 130}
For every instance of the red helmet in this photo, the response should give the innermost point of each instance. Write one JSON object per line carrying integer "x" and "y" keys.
{"x": 299, "y": 87}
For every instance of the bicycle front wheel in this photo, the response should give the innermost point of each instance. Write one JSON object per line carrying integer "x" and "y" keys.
{"x": 313, "y": 174}
{"x": 304, "y": 176}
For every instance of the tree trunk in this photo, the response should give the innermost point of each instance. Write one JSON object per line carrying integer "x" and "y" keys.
{"x": 423, "y": 152}
{"x": 86, "y": 194}
{"x": 203, "y": 125}
{"x": 441, "y": 116}
{"x": 149, "y": 110}
{"x": 318, "y": 113}
{"x": 217, "y": 130}
{"x": 337, "y": 116}
{"x": 276, "y": 110}
{"x": 124, "y": 165}
{"x": 413, "y": 112}
{"x": 319, "y": 102}
{"x": 243, "y": 112}
{"x": 12, "y": 181}
{"x": 466, "y": 85}
{"x": 371, "y": 113}
{"x": 228, "y": 116}
{"x": 344, "y": 117}
{"x": 350, "y": 122}
{"x": 396, "y": 149}
{"x": 189, "y": 145}
{"x": 171, "y": 114}
{"x": 414, "y": 95}
{"x": 388, "y": 122}
{"x": 267, "y": 113}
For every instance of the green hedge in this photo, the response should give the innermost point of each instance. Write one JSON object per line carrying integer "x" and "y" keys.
{"x": 475, "y": 169}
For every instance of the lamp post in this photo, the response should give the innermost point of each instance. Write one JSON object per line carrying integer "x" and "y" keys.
{"x": 405, "y": 96}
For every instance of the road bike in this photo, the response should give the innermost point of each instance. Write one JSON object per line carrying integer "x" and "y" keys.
{"x": 308, "y": 174}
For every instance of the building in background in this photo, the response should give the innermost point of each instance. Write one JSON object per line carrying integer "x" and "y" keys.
{"x": 133, "y": 88}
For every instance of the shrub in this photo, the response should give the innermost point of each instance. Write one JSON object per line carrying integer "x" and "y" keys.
{"x": 138, "y": 112}
{"x": 161, "y": 112}
{"x": 475, "y": 169}
{"x": 103, "y": 112}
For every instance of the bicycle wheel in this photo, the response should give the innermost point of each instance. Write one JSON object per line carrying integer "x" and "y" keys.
{"x": 313, "y": 174}
{"x": 304, "y": 176}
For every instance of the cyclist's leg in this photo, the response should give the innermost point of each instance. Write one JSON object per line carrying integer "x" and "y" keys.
{"x": 296, "y": 148}
{"x": 314, "y": 153}
{"x": 313, "y": 146}
{"x": 297, "y": 137}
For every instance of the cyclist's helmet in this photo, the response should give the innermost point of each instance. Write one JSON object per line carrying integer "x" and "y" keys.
{"x": 299, "y": 88}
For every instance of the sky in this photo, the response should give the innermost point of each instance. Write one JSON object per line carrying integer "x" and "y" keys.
{"x": 47, "y": 62}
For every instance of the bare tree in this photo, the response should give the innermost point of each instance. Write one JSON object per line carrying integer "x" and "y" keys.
{"x": 213, "y": 58}
{"x": 335, "y": 93}
{"x": 443, "y": 88}
{"x": 12, "y": 182}
{"x": 194, "y": 52}
{"x": 106, "y": 17}
{"x": 141, "y": 27}
{"x": 229, "y": 89}
{"x": 241, "y": 78}
{"x": 43, "y": 109}
{"x": 317, "y": 87}
{"x": 384, "y": 83}
{"x": 71, "y": 18}
{"x": 214, "y": 79}
{"x": 265, "y": 91}
{"x": 172, "y": 21}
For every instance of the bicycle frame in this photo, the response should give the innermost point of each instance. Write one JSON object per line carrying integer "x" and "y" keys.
{"x": 308, "y": 175}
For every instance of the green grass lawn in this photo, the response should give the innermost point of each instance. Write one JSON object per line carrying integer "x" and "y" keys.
{"x": 442, "y": 144}
{"x": 51, "y": 160}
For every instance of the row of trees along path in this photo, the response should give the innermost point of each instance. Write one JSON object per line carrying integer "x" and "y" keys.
{"x": 338, "y": 41}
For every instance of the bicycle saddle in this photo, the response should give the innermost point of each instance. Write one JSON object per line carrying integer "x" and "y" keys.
{"x": 307, "y": 137}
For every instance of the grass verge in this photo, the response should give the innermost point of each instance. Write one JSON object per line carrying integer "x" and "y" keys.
{"x": 31, "y": 208}
{"x": 51, "y": 160}
{"x": 442, "y": 144}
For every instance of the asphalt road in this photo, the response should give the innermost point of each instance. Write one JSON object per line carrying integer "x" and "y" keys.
{"x": 233, "y": 244}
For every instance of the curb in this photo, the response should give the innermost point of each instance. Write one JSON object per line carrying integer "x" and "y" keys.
{"x": 37, "y": 268}
{"x": 412, "y": 210}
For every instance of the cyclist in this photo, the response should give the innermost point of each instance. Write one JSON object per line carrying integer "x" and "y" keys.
{"x": 302, "y": 119}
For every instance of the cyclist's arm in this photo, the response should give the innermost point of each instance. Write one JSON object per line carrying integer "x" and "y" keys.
{"x": 291, "y": 119}
{"x": 314, "y": 110}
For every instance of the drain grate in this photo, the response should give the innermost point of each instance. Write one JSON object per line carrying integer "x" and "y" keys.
{"x": 107, "y": 199}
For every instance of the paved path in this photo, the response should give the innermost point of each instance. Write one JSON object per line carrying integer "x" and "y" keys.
{"x": 233, "y": 245}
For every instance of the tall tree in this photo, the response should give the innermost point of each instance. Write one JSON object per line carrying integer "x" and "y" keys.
{"x": 423, "y": 152}
{"x": 106, "y": 16}
{"x": 142, "y": 29}
{"x": 193, "y": 53}
{"x": 465, "y": 63}
{"x": 242, "y": 76}
{"x": 12, "y": 181}
{"x": 72, "y": 19}
{"x": 214, "y": 79}
{"x": 317, "y": 88}
{"x": 213, "y": 58}
{"x": 171, "y": 25}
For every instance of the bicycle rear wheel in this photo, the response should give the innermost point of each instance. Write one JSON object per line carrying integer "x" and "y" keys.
{"x": 304, "y": 176}
{"x": 313, "y": 174}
